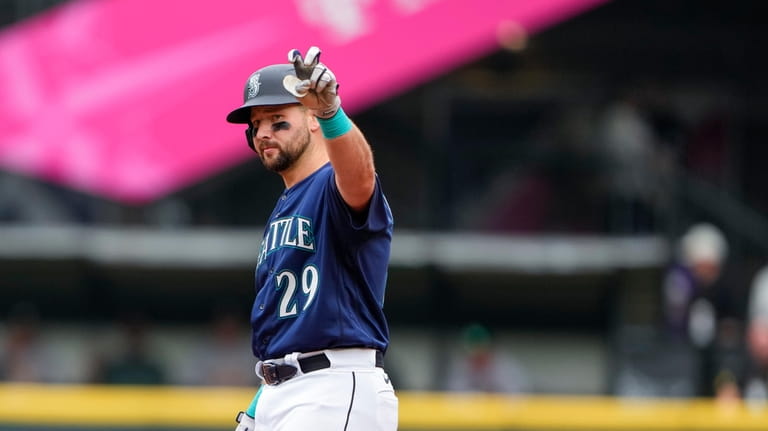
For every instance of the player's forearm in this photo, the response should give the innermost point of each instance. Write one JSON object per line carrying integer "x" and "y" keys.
{"x": 352, "y": 161}
{"x": 351, "y": 158}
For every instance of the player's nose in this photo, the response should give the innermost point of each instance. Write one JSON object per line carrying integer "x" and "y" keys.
{"x": 264, "y": 132}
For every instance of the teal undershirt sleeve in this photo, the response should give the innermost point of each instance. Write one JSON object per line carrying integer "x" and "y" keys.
{"x": 252, "y": 408}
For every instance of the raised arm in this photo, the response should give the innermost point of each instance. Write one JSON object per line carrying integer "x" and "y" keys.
{"x": 316, "y": 88}
{"x": 352, "y": 161}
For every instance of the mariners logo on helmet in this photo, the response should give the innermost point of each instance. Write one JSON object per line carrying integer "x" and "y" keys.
{"x": 264, "y": 87}
{"x": 253, "y": 86}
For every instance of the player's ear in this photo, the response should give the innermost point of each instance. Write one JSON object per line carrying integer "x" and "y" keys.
{"x": 314, "y": 125}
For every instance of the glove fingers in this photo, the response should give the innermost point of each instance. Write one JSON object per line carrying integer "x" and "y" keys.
{"x": 303, "y": 88}
{"x": 321, "y": 77}
{"x": 313, "y": 77}
{"x": 326, "y": 85}
{"x": 313, "y": 57}
{"x": 301, "y": 69}
{"x": 320, "y": 86}
{"x": 297, "y": 87}
{"x": 294, "y": 55}
{"x": 317, "y": 73}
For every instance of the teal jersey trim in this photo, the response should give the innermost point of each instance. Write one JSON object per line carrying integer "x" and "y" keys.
{"x": 252, "y": 408}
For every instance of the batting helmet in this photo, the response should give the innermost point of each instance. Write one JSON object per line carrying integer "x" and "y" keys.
{"x": 264, "y": 87}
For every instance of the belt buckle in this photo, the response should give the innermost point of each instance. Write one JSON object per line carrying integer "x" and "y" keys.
{"x": 274, "y": 374}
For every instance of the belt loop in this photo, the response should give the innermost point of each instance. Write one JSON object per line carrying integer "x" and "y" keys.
{"x": 259, "y": 373}
{"x": 292, "y": 359}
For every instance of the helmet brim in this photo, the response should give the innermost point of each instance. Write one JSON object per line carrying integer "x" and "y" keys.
{"x": 242, "y": 115}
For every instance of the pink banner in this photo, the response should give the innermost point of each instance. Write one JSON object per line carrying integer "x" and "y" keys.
{"x": 127, "y": 98}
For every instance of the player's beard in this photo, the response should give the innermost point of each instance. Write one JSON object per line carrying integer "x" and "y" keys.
{"x": 289, "y": 153}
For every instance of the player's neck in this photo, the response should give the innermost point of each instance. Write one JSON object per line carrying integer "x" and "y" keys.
{"x": 313, "y": 159}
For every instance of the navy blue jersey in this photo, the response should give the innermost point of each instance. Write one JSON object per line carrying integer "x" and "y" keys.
{"x": 321, "y": 272}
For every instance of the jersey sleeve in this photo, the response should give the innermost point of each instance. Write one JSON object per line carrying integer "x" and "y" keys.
{"x": 377, "y": 217}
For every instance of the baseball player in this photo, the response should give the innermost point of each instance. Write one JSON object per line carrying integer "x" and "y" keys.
{"x": 319, "y": 331}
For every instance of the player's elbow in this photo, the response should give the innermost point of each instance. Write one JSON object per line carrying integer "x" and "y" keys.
{"x": 358, "y": 194}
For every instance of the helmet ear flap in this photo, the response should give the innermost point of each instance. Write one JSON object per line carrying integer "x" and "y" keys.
{"x": 249, "y": 137}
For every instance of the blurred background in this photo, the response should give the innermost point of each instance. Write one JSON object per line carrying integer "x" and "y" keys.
{"x": 580, "y": 206}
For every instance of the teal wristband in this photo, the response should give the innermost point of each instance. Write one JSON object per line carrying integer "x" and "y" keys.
{"x": 335, "y": 126}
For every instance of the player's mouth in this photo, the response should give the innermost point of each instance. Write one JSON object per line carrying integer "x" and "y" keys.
{"x": 267, "y": 150}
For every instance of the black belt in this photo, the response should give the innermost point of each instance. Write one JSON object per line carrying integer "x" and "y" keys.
{"x": 274, "y": 373}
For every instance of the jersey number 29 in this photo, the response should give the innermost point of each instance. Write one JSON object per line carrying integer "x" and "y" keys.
{"x": 288, "y": 282}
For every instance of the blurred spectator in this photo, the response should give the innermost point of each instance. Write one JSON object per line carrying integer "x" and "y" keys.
{"x": 132, "y": 362}
{"x": 223, "y": 357}
{"x": 688, "y": 308}
{"x": 692, "y": 303}
{"x": 756, "y": 376}
{"x": 557, "y": 188}
{"x": 629, "y": 148}
{"x": 481, "y": 367}
{"x": 22, "y": 357}
{"x": 521, "y": 202}
{"x": 696, "y": 350}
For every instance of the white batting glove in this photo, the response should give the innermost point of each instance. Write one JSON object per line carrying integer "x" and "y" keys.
{"x": 245, "y": 422}
{"x": 314, "y": 85}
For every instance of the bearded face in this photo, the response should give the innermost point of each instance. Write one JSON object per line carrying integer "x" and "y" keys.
{"x": 278, "y": 157}
{"x": 280, "y": 135}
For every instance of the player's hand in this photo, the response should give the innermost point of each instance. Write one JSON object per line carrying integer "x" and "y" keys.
{"x": 314, "y": 85}
{"x": 245, "y": 422}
